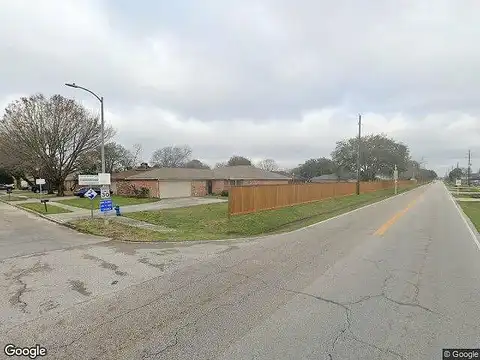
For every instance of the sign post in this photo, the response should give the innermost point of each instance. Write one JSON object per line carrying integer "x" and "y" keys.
{"x": 102, "y": 179}
{"x": 395, "y": 177}
{"x": 40, "y": 182}
{"x": 106, "y": 203}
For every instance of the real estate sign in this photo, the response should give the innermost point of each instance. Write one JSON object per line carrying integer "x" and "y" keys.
{"x": 87, "y": 179}
{"x": 98, "y": 179}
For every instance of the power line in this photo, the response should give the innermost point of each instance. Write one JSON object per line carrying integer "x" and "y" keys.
{"x": 358, "y": 152}
{"x": 469, "y": 167}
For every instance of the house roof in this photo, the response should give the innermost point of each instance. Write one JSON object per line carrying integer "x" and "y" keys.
{"x": 246, "y": 172}
{"x": 173, "y": 174}
{"x": 325, "y": 177}
{"x": 242, "y": 172}
{"x": 342, "y": 176}
{"x": 127, "y": 173}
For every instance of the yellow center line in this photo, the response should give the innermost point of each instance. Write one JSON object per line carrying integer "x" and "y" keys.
{"x": 383, "y": 229}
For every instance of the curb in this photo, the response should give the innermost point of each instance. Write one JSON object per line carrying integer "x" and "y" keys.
{"x": 469, "y": 224}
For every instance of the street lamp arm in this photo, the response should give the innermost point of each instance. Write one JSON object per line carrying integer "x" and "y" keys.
{"x": 102, "y": 121}
{"x": 73, "y": 85}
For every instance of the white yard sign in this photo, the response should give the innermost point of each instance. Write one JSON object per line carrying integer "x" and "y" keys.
{"x": 103, "y": 179}
{"x": 87, "y": 179}
{"x": 99, "y": 179}
{"x": 458, "y": 182}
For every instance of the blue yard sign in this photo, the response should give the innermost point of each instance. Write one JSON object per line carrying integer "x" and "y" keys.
{"x": 106, "y": 205}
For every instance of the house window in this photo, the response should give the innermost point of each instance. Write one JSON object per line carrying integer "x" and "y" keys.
{"x": 236, "y": 182}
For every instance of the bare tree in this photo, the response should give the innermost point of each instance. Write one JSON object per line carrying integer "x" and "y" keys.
{"x": 117, "y": 158}
{"x": 137, "y": 155}
{"x": 172, "y": 156}
{"x": 236, "y": 160}
{"x": 220, "y": 164}
{"x": 196, "y": 164}
{"x": 47, "y": 136}
{"x": 268, "y": 165}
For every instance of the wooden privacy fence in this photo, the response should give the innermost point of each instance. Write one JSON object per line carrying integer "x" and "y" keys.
{"x": 248, "y": 199}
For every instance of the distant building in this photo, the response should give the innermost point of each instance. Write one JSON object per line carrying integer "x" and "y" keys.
{"x": 333, "y": 178}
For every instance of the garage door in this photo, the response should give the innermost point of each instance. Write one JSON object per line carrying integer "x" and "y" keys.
{"x": 175, "y": 189}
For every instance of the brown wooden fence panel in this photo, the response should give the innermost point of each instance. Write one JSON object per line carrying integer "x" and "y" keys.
{"x": 248, "y": 199}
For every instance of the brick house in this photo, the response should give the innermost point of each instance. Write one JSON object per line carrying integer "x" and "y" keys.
{"x": 184, "y": 182}
{"x": 243, "y": 175}
{"x": 119, "y": 177}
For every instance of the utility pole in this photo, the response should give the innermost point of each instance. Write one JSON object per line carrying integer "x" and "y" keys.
{"x": 358, "y": 152}
{"x": 469, "y": 169}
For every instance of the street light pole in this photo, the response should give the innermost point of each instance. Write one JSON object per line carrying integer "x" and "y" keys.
{"x": 102, "y": 120}
{"x": 102, "y": 132}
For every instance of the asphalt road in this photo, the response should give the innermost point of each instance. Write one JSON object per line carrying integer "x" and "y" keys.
{"x": 396, "y": 280}
{"x": 23, "y": 233}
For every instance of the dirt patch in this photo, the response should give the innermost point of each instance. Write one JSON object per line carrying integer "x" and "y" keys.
{"x": 48, "y": 306}
{"x": 106, "y": 265}
{"x": 79, "y": 286}
{"x": 147, "y": 262}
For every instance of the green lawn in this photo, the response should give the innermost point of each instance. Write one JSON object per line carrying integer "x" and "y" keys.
{"x": 472, "y": 210}
{"x": 465, "y": 189}
{"x": 117, "y": 200}
{"x": 209, "y": 222}
{"x": 115, "y": 230}
{"x": 40, "y": 208}
{"x": 474, "y": 195}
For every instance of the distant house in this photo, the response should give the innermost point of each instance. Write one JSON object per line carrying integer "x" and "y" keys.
{"x": 344, "y": 177}
{"x": 184, "y": 182}
{"x": 71, "y": 182}
{"x": 475, "y": 177}
{"x": 325, "y": 178}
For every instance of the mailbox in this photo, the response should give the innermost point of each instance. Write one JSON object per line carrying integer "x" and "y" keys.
{"x": 44, "y": 202}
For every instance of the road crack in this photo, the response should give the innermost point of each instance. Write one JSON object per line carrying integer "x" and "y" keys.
{"x": 16, "y": 299}
{"x": 17, "y": 276}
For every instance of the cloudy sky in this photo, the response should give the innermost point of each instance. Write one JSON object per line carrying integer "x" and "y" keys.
{"x": 278, "y": 79}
